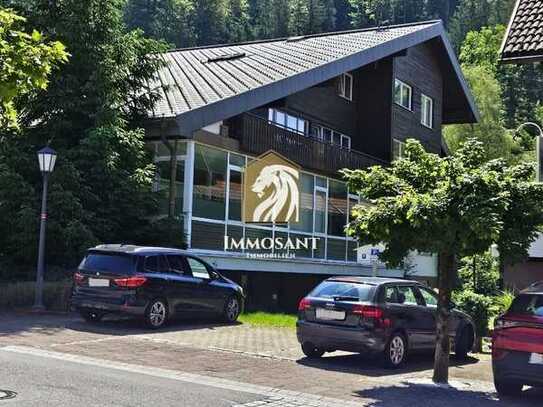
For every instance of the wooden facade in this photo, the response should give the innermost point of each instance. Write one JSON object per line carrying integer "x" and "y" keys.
{"x": 371, "y": 119}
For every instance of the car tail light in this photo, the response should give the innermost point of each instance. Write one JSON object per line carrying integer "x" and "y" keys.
{"x": 368, "y": 311}
{"x": 304, "y": 304}
{"x": 78, "y": 278}
{"x": 130, "y": 282}
{"x": 376, "y": 314}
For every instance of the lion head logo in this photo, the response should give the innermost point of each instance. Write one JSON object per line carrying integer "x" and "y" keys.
{"x": 278, "y": 186}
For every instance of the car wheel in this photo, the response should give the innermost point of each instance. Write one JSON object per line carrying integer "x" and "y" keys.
{"x": 311, "y": 351}
{"x": 232, "y": 309}
{"x": 92, "y": 316}
{"x": 156, "y": 314}
{"x": 464, "y": 344}
{"x": 508, "y": 388}
{"x": 395, "y": 351}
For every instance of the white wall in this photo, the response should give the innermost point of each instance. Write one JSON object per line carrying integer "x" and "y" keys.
{"x": 420, "y": 265}
{"x": 536, "y": 249}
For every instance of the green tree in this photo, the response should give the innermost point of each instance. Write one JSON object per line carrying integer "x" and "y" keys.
{"x": 455, "y": 206}
{"x": 26, "y": 62}
{"x": 101, "y": 188}
{"x": 521, "y": 86}
{"x": 165, "y": 20}
{"x": 490, "y": 129}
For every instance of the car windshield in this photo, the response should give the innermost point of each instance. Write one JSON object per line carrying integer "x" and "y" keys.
{"x": 110, "y": 263}
{"x": 347, "y": 291}
{"x": 528, "y": 304}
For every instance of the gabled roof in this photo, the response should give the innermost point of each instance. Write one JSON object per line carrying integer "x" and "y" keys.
{"x": 200, "y": 86}
{"x": 523, "y": 40}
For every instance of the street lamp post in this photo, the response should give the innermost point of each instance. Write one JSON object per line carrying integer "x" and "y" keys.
{"x": 46, "y": 158}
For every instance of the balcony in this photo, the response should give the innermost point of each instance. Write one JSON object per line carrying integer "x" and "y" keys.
{"x": 257, "y": 135}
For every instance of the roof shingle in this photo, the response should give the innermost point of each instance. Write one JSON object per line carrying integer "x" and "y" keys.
{"x": 523, "y": 40}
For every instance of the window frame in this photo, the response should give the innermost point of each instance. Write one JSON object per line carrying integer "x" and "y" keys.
{"x": 431, "y": 293}
{"x": 403, "y": 86}
{"x": 401, "y": 149}
{"x": 342, "y": 89}
{"x": 206, "y": 266}
{"x": 425, "y": 98}
{"x": 272, "y": 118}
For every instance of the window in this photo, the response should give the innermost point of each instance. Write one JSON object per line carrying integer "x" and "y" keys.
{"x": 111, "y": 263}
{"x": 234, "y": 196}
{"x": 528, "y": 304}
{"x": 430, "y": 297}
{"x": 320, "y": 211}
{"x": 306, "y": 204}
{"x": 391, "y": 296}
{"x": 176, "y": 263}
{"x": 331, "y": 289}
{"x": 199, "y": 269}
{"x": 331, "y": 136}
{"x": 427, "y": 111}
{"x": 209, "y": 183}
{"x": 337, "y": 208}
{"x": 156, "y": 264}
{"x": 288, "y": 121}
{"x": 398, "y": 148}
{"x": 346, "y": 86}
{"x": 162, "y": 185}
{"x": 407, "y": 294}
{"x": 402, "y": 94}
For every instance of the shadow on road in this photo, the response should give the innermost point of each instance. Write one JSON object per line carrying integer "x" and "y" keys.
{"x": 50, "y": 324}
{"x": 407, "y": 394}
{"x": 373, "y": 366}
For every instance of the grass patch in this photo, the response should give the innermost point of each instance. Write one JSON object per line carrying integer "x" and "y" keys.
{"x": 268, "y": 319}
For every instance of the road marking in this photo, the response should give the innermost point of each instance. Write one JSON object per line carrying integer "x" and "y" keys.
{"x": 287, "y": 396}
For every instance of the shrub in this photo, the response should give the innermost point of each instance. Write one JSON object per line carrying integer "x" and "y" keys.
{"x": 479, "y": 307}
{"x": 56, "y": 295}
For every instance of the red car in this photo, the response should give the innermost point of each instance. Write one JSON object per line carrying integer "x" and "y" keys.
{"x": 517, "y": 343}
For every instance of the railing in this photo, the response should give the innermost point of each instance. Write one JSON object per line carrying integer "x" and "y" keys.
{"x": 257, "y": 135}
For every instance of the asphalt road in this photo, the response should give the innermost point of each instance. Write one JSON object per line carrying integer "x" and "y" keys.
{"x": 40, "y": 381}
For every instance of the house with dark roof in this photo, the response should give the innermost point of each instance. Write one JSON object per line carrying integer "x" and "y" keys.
{"x": 324, "y": 102}
{"x": 523, "y": 41}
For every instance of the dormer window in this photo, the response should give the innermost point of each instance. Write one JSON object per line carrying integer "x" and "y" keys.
{"x": 346, "y": 86}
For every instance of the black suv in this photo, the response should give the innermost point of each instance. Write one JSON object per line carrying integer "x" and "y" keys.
{"x": 153, "y": 283}
{"x": 376, "y": 315}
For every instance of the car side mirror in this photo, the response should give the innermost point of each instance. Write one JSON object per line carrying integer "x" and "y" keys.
{"x": 401, "y": 298}
{"x": 452, "y": 305}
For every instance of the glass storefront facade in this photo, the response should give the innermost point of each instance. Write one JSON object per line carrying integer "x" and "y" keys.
{"x": 217, "y": 199}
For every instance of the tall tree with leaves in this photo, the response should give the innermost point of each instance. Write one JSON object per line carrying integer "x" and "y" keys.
{"x": 166, "y": 20}
{"x": 101, "y": 188}
{"x": 454, "y": 206}
{"x": 26, "y": 62}
{"x": 490, "y": 130}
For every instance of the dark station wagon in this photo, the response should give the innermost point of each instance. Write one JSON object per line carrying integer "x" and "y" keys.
{"x": 152, "y": 283}
{"x": 391, "y": 317}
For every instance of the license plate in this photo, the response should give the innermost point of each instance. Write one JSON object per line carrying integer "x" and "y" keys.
{"x": 98, "y": 282}
{"x": 536, "y": 359}
{"x": 329, "y": 314}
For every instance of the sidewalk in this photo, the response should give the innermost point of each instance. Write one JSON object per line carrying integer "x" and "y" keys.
{"x": 257, "y": 356}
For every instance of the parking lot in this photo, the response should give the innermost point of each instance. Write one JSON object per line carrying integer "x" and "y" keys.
{"x": 252, "y": 356}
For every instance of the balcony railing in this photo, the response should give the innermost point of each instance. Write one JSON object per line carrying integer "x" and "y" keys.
{"x": 257, "y": 135}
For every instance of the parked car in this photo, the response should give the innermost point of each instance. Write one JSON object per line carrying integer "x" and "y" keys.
{"x": 155, "y": 284}
{"x": 517, "y": 343}
{"x": 391, "y": 317}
